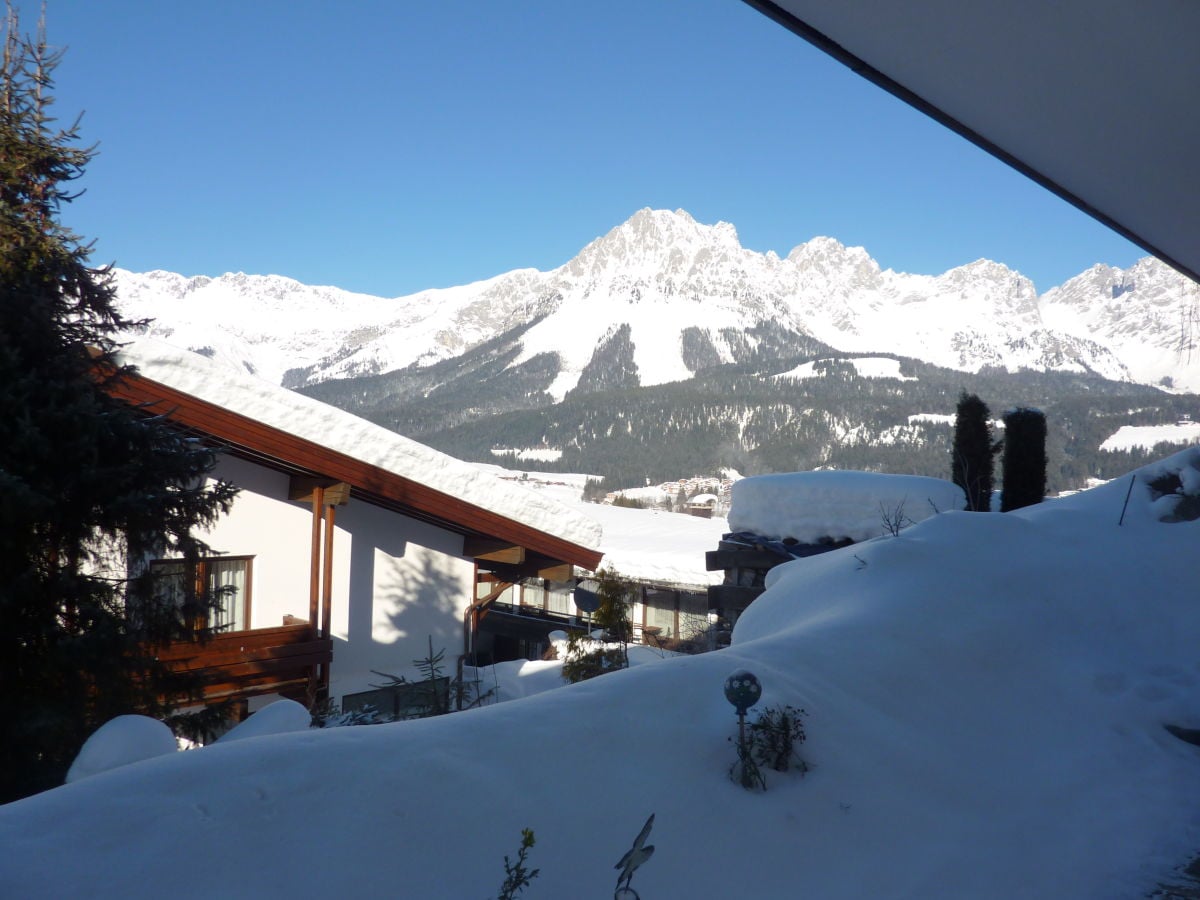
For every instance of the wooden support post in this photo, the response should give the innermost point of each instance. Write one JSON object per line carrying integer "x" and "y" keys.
{"x": 314, "y": 584}
{"x": 326, "y": 596}
{"x": 327, "y": 573}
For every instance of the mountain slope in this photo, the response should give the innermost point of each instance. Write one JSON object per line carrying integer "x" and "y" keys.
{"x": 685, "y": 296}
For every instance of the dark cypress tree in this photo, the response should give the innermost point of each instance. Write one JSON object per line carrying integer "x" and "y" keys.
{"x": 971, "y": 454}
{"x": 88, "y": 485}
{"x": 1023, "y": 466}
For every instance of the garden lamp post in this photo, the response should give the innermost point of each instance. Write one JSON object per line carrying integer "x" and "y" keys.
{"x": 742, "y": 689}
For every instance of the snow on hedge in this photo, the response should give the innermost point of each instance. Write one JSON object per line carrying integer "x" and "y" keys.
{"x": 808, "y": 506}
{"x": 121, "y": 742}
{"x": 346, "y": 433}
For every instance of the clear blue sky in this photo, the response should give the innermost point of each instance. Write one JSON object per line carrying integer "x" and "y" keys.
{"x": 387, "y": 146}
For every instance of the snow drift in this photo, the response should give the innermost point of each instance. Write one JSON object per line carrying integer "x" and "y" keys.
{"x": 986, "y": 695}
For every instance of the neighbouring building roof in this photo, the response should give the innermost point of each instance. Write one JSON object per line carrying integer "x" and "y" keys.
{"x": 811, "y": 506}
{"x": 301, "y": 435}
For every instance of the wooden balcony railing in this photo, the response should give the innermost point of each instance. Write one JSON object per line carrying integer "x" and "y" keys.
{"x": 282, "y": 660}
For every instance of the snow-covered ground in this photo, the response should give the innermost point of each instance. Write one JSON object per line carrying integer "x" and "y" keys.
{"x": 647, "y": 544}
{"x": 986, "y": 695}
{"x": 521, "y": 678}
{"x": 1146, "y": 437}
{"x": 865, "y": 366}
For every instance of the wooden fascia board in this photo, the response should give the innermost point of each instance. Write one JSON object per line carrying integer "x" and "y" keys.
{"x": 370, "y": 482}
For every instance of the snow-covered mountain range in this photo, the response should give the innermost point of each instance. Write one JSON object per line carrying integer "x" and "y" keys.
{"x": 675, "y": 292}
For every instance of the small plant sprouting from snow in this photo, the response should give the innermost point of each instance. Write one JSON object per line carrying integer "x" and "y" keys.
{"x": 771, "y": 742}
{"x": 516, "y": 876}
{"x": 894, "y": 519}
{"x": 775, "y": 735}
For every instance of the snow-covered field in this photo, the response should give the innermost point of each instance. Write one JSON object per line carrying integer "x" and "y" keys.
{"x": 986, "y": 696}
{"x": 865, "y": 366}
{"x": 646, "y": 544}
{"x": 1146, "y": 437}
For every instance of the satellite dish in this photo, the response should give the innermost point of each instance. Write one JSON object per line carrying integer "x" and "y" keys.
{"x": 588, "y": 601}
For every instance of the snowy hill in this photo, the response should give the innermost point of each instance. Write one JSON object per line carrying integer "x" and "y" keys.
{"x": 986, "y": 695}
{"x": 666, "y": 295}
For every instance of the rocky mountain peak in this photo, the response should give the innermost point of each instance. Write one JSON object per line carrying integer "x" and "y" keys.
{"x": 829, "y": 258}
{"x": 654, "y": 241}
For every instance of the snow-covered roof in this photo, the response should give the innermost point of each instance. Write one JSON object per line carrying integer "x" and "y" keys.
{"x": 359, "y": 440}
{"x": 1090, "y": 99}
{"x": 808, "y": 506}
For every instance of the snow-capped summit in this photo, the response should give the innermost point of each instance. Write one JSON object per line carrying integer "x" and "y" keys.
{"x": 656, "y": 248}
{"x": 1148, "y": 314}
{"x": 660, "y": 285}
{"x": 832, "y": 260}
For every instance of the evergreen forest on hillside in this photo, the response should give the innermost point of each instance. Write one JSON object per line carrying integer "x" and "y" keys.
{"x": 738, "y": 416}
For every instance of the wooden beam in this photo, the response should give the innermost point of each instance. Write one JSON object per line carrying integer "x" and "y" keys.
{"x": 493, "y": 550}
{"x": 480, "y": 607}
{"x": 731, "y": 596}
{"x": 314, "y": 569}
{"x": 302, "y": 487}
{"x": 558, "y": 572}
{"x": 715, "y": 560}
{"x": 327, "y": 573}
{"x": 552, "y": 570}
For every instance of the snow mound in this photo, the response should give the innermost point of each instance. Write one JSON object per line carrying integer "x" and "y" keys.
{"x": 985, "y": 697}
{"x": 280, "y": 717}
{"x": 120, "y": 742}
{"x": 809, "y": 506}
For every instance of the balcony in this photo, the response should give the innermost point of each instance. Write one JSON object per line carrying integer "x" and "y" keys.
{"x": 287, "y": 660}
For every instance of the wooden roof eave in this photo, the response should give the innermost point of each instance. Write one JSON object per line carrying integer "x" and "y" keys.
{"x": 370, "y": 483}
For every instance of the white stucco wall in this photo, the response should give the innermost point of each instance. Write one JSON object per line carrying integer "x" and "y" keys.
{"x": 397, "y": 581}
{"x": 275, "y": 532}
{"x": 406, "y": 584}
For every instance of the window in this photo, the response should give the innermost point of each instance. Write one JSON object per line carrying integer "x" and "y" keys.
{"x": 659, "y": 609}
{"x": 559, "y": 597}
{"x": 229, "y": 575}
{"x": 693, "y": 614}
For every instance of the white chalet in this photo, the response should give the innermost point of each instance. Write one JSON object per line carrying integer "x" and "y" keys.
{"x": 350, "y": 547}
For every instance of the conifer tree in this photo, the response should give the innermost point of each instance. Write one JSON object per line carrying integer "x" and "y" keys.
{"x": 971, "y": 454}
{"x": 87, "y": 483}
{"x": 1023, "y": 466}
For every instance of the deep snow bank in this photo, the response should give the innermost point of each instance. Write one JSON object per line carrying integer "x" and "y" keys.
{"x": 985, "y": 697}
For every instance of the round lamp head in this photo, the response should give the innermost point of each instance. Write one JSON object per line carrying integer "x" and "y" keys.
{"x": 742, "y": 689}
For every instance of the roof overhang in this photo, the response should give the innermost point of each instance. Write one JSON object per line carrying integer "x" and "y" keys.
{"x": 1092, "y": 99}
{"x": 290, "y": 453}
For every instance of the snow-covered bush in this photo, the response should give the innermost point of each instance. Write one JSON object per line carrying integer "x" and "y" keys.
{"x": 586, "y": 657}
{"x": 1182, "y": 485}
